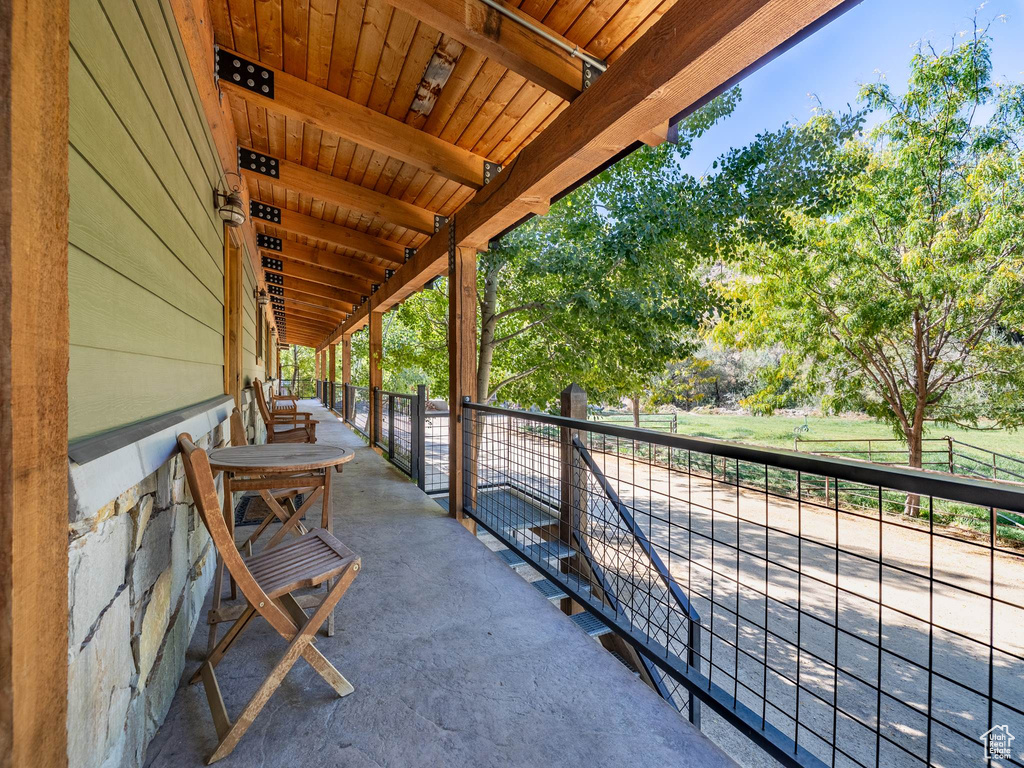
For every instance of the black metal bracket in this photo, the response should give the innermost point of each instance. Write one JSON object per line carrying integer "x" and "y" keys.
{"x": 388, "y": 274}
{"x": 363, "y": 299}
{"x": 257, "y": 162}
{"x": 269, "y": 242}
{"x": 274, "y": 278}
{"x": 270, "y": 262}
{"x": 355, "y": 307}
{"x": 243, "y": 73}
{"x": 491, "y": 170}
{"x": 373, "y": 288}
{"x": 590, "y": 74}
{"x": 439, "y": 221}
{"x": 275, "y": 290}
{"x": 409, "y": 253}
{"x": 266, "y": 212}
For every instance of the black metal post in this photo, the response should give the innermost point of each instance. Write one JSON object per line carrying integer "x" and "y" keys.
{"x": 418, "y": 461}
{"x": 391, "y": 427}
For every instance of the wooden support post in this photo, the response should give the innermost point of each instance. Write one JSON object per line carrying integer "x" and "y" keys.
{"x": 346, "y": 376}
{"x": 34, "y": 395}
{"x": 232, "y": 316}
{"x": 376, "y": 373}
{"x": 462, "y": 360}
{"x": 331, "y": 374}
{"x": 572, "y": 495}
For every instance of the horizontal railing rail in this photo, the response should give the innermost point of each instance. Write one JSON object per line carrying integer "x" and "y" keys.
{"x": 849, "y": 612}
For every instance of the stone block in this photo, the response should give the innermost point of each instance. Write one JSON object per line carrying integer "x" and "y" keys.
{"x": 153, "y": 556}
{"x": 166, "y": 671}
{"x": 141, "y": 514}
{"x": 165, "y": 483}
{"x": 97, "y": 563}
{"x": 179, "y": 491}
{"x": 154, "y": 624}
{"x": 180, "y": 562}
{"x": 99, "y": 688}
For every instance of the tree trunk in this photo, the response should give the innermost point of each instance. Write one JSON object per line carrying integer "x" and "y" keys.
{"x": 915, "y": 458}
{"x": 635, "y": 400}
{"x": 488, "y": 309}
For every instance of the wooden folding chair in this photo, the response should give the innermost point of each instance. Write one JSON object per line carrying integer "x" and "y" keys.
{"x": 284, "y": 426}
{"x": 267, "y": 581}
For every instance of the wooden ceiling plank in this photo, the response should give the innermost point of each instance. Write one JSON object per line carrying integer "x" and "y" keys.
{"x": 397, "y": 44}
{"x": 302, "y": 101}
{"x": 488, "y": 76}
{"x": 243, "y": 27}
{"x": 294, "y": 310}
{"x": 492, "y": 110}
{"x": 510, "y": 44}
{"x": 322, "y": 14}
{"x": 290, "y": 294}
{"x": 691, "y": 51}
{"x": 220, "y": 17}
{"x": 295, "y": 23}
{"x": 376, "y": 20}
{"x": 592, "y": 20}
{"x": 347, "y": 24}
{"x": 268, "y": 28}
{"x": 628, "y": 18}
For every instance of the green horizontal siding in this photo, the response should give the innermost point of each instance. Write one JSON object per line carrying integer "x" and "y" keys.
{"x": 146, "y": 276}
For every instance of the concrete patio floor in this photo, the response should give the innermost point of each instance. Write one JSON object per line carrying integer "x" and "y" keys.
{"x": 455, "y": 659}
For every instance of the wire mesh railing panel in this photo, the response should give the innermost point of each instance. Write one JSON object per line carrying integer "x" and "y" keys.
{"x": 399, "y": 415}
{"x": 301, "y": 388}
{"x": 849, "y": 615}
{"x": 360, "y": 409}
{"x": 383, "y": 416}
{"x": 435, "y": 447}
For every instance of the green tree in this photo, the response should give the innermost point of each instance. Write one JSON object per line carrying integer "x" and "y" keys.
{"x": 610, "y": 286}
{"x": 902, "y": 302}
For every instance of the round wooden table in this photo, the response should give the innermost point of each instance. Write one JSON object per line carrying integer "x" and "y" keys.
{"x": 279, "y": 472}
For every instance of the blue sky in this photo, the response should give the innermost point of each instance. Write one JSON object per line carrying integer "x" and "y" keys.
{"x": 872, "y": 39}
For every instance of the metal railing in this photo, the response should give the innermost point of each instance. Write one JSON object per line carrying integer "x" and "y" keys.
{"x": 435, "y": 452}
{"x": 301, "y": 388}
{"x": 942, "y": 454}
{"x": 847, "y": 615}
{"x": 400, "y": 427}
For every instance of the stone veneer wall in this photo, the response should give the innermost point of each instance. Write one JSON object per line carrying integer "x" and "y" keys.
{"x": 139, "y": 571}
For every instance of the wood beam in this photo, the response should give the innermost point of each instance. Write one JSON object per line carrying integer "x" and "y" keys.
{"x": 325, "y": 259}
{"x": 354, "y": 197}
{"x": 311, "y": 313}
{"x": 309, "y": 304}
{"x": 693, "y": 52}
{"x": 462, "y": 360}
{"x": 510, "y": 44}
{"x": 299, "y": 269}
{"x": 34, "y": 397}
{"x": 317, "y": 301}
{"x": 320, "y": 290}
{"x": 300, "y": 100}
{"x": 318, "y": 229}
{"x": 346, "y": 375}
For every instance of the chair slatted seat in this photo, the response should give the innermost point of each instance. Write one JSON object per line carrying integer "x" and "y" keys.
{"x": 284, "y": 425}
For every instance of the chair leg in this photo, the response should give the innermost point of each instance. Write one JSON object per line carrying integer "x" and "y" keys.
{"x": 294, "y": 520}
{"x": 317, "y": 660}
{"x": 215, "y": 655}
{"x": 300, "y": 644}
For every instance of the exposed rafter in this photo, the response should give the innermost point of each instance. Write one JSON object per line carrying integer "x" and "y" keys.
{"x": 691, "y": 53}
{"x": 297, "y": 269}
{"x": 290, "y": 250}
{"x": 336, "y": 234}
{"x": 299, "y": 297}
{"x": 510, "y": 44}
{"x": 300, "y": 100}
{"x": 323, "y": 186}
{"x": 318, "y": 290}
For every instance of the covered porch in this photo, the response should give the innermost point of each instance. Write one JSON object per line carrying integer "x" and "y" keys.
{"x": 455, "y": 659}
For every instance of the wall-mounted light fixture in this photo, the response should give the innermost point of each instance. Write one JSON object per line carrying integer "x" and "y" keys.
{"x": 228, "y": 202}
{"x": 261, "y": 296}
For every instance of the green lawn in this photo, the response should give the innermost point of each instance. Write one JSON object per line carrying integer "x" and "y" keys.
{"x": 777, "y": 431}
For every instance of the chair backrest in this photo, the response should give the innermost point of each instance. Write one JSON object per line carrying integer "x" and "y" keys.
{"x": 204, "y": 494}
{"x": 238, "y": 436}
{"x": 261, "y": 401}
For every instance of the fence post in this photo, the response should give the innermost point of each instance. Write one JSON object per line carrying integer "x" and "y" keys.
{"x": 693, "y": 660}
{"x": 418, "y": 463}
{"x": 572, "y": 498}
{"x": 391, "y": 427}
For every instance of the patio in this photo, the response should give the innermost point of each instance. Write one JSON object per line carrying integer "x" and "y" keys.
{"x": 456, "y": 660}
